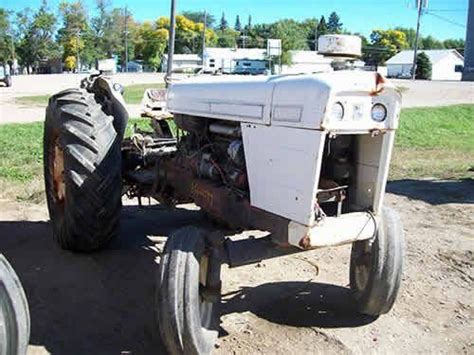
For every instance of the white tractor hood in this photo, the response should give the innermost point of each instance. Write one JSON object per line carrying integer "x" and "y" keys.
{"x": 294, "y": 101}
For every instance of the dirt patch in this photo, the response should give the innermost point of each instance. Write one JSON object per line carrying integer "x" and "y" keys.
{"x": 103, "y": 302}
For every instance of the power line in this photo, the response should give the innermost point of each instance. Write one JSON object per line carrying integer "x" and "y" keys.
{"x": 445, "y": 19}
{"x": 448, "y": 10}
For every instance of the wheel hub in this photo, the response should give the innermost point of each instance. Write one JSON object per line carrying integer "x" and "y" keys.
{"x": 205, "y": 307}
{"x": 363, "y": 266}
{"x": 57, "y": 172}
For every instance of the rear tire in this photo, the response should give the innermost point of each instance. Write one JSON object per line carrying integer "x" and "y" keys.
{"x": 14, "y": 314}
{"x": 377, "y": 265}
{"x": 82, "y": 169}
{"x": 188, "y": 324}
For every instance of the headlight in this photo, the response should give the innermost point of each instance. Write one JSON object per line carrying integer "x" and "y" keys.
{"x": 337, "y": 112}
{"x": 379, "y": 113}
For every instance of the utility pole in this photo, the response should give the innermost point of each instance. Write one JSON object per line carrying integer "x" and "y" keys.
{"x": 468, "y": 74}
{"x": 13, "y": 47}
{"x": 420, "y": 4}
{"x": 77, "y": 52}
{"x": 244, "y": 40}
{"x": 13, "y": 66}
{"x": 169, "y": 67}
{"x": 204, "y": 39}
{"x": 316, "y": 38}
{"x": 126, "y": 39}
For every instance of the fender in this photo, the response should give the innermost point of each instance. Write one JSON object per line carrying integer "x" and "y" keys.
{"x": 110, "y": 95}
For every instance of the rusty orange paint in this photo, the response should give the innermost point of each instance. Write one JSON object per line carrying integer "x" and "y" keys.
{"x": 379, "y": 85}
{"x": 57, "y": 168}
{"x": 305, "y": 242}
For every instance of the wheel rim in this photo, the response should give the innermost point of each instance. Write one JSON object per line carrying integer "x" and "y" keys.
{"x": 363, "y": 265}
{"x": 57, "y": 171}
{"x": 205, "y": 307}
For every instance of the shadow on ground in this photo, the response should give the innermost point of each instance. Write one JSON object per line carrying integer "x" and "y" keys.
{"x": 435, "y": 192}
{"x": 102, "y": 303}
{"x": 298, "y": 304}
{"x": 99, "y": 303}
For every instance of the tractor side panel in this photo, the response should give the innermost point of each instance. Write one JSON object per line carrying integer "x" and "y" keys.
{"x": 283, "y": 167}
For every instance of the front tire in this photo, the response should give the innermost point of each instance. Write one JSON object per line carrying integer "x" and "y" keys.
{"x": 14, "y": 314}
{"x": 188, "y": 324}
{"x": 82, "y": 169}
{"x": 377, "y": 265}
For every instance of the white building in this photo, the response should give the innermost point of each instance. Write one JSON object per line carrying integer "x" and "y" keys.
{"x": 448, "y": 64}
{"x": 307, "y": 62}
{"x": 224, "y": 59}
{"x": 182, "y": 62}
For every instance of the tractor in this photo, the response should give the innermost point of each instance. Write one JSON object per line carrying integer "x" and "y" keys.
{"x": 304, "y": 158}
{"x": 14, "y": 312}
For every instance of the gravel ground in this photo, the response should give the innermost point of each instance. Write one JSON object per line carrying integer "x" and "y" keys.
{"x": 102, "y": 303}
{"x": 435, "y": 93}
{"x": 32, "y": 85}
{"x": 419, "y": 93}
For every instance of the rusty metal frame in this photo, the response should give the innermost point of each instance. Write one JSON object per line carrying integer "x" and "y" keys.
{"x": 219, "y": 202}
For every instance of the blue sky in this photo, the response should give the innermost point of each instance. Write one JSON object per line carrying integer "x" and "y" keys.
{"x": 447, "y": 18}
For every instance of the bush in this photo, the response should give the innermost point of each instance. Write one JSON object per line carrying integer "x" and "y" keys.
{"x": 423, "y": 67}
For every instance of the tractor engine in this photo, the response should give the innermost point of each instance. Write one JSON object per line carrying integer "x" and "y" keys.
{"x": 214, "y": 150}
{"x": 204, "y": 149}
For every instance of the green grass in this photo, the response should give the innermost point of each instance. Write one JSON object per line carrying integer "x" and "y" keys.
{"x": 134, "y": 93}
{"x": 36, "y": 100}
{"x": 21, "y": 151}
{"x": 435, "y": 142}
{"x": 21, "y": 159}
{"x": 431, "y": 142}
{"x": 144, "y": 124}
{"x": 450, "y": 127}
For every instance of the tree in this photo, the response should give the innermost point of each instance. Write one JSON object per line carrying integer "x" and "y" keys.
{"x": 322, "y": 27}
{"x": 227, "y": 38}
{"x": 385, "y": 44}
{"x": 150, "y": 44}
{"x": 309, "y": 26}
{"x": 198, "y": 16}
{"x": 107, "y": 29}
{"x": 35, "y": 32}
{"x": 292, "y": 37}
{"x": 70, "y": 63}
{"x": 457, "y": 44}
{"x": 248, "y": 27}
{"x": 423, "y": 67}
{"x": 224, "y": 24}
{"x": 258, "y": 35}
{"x": 6, "y": 36}
{"x": 74, "y": 30}
{"x": 431, "y": 43}
{"x": 238, "y": 25}
{"x": 334, "y": 23}
{"x": 188, "y": 34}
{"x": 410, "y": 34}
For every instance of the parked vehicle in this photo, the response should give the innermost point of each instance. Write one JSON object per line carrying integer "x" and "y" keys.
{"x": 5, "y": 76}
{"x": 250, "y": 67}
